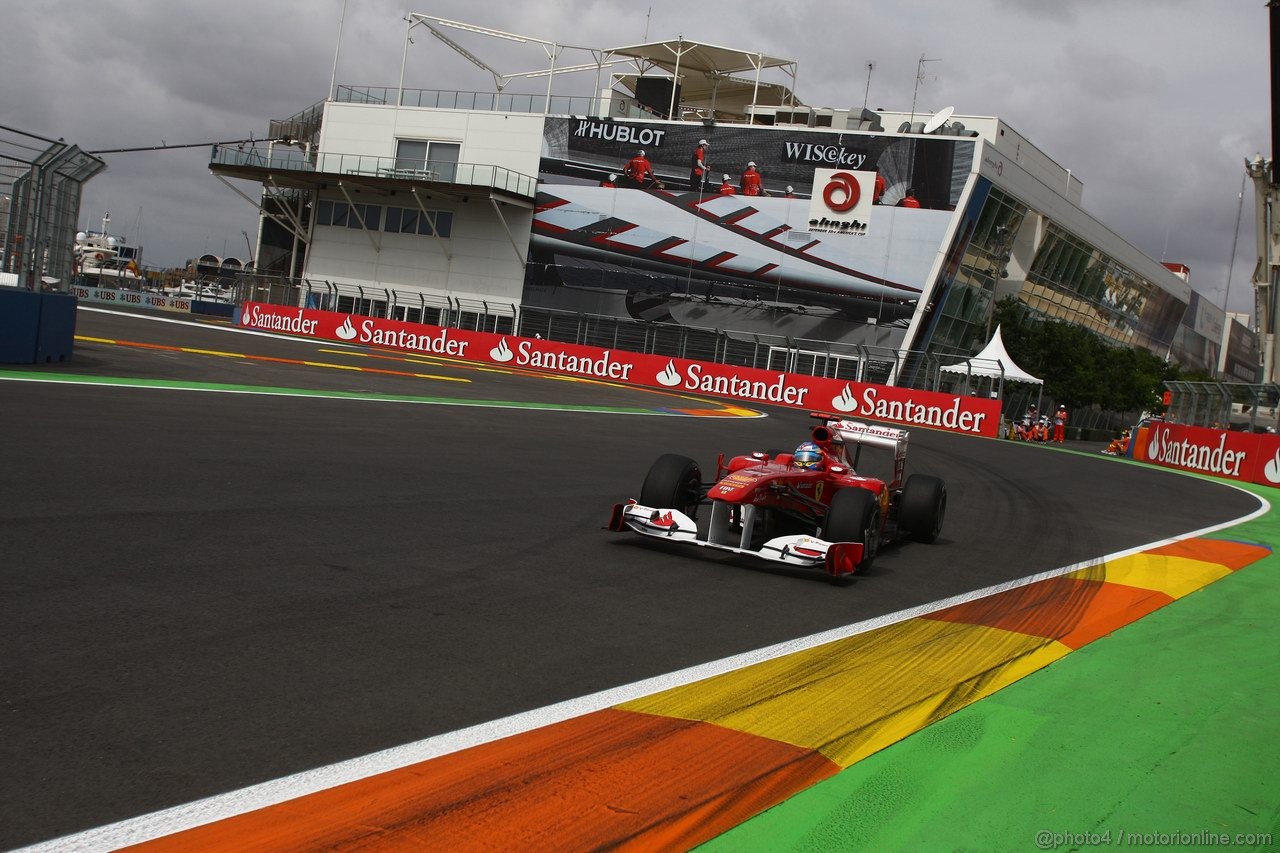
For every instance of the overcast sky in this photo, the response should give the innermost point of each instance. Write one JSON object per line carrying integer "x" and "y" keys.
{"x": 1153, "y": 104}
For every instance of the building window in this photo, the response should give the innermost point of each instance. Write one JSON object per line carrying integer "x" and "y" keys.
{"x": 443, "y": 220}
{"x": 436, "y": 158}
{"x": 370, "y": 213}
{"x": 340, "y": 215}
{"x": 408, "y": 220}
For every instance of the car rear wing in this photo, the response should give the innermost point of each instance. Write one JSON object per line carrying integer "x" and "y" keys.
{"x": 857, "y": 432}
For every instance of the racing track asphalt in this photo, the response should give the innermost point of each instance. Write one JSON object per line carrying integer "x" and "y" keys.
{"x": 205, "y": 591}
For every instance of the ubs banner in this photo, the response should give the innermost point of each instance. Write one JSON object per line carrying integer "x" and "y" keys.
{"x": 1250, "y": 457}
{"x": 970, "y": 415}
{"x": 111, "y": 296}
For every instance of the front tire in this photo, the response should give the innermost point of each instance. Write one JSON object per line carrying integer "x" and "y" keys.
{"x": 854, "y": 516}
{"x": 923, "y": 507}
{"x": 673, "y": 482}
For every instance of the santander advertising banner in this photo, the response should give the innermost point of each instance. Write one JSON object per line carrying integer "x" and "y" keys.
{"x": 1247, "y": 456}
{"x": 970, "y": 415}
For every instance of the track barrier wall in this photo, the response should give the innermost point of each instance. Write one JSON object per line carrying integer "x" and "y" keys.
{"x": 1245, "y": 456}
{"x": 969, "y": 415}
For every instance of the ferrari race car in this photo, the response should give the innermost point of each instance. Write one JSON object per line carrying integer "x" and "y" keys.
{"x": 814, "y": 512}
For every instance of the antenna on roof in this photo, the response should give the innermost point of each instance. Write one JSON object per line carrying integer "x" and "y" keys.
{"x": 647, "y": 16}
{"x": 867, "y": 94}
{"x": 919, "y": 80}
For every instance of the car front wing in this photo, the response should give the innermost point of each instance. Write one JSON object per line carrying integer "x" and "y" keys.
{"x": 672, "y": 525}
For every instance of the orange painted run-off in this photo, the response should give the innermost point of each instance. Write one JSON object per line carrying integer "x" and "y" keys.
{"x": 1072, "y": 611}
{"x": 1077, "y": 609}
{"x": 608, "y": 779}
{"x": 1224, "y": 552}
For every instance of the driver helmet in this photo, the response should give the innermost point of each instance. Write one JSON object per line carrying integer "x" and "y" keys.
{"x": 808, "y": 456}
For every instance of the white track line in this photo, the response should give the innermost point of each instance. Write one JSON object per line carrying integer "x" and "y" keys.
{"x": 222, "y": 806}
{"x": 217, "y": 327}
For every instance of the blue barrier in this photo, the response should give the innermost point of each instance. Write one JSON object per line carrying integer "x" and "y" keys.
{"x": 57, "y": 338}
{"x": 36, "y": 328}
{"x": 213, "y": 309}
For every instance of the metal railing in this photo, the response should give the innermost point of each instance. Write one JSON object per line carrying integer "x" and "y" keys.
{"x": 371, "y": 301}
{"x": 444, "y": 99}
{"x": 290, "y": 159}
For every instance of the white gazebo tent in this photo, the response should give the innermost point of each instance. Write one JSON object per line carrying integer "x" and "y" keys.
{"x": 994, "y": 363}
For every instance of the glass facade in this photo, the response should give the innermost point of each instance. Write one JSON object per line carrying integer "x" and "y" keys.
{"x": 962, "y": 321}
{"x": 1070, "y": 280}
{"x": 1004, "y": 249}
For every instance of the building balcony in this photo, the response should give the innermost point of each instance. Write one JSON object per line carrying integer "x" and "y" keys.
{"x": 287, "y": 166}
{"x": 443, "y": 99}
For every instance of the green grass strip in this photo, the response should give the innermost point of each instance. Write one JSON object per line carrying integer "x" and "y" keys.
{"x": 367, "y": 396}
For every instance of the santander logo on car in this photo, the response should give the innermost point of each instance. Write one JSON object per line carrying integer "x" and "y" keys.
{"x": 1163, "y": 448}
{"x": 879, "y": 403}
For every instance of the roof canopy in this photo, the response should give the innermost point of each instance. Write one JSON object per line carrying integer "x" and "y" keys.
{"x": 725, "y": 98}
{"x": 705, "y": 75}
{"x": 704, "y": 72}
{"x": 691, "y": 57}
{"x": 994, "y": 360}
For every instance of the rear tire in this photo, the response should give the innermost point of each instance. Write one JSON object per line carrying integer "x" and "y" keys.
{"x": 854, "y": 516}
{"x": 673, "y": 482}
{"x": 923, "y": 507}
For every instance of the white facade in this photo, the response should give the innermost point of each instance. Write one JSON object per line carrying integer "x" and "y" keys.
{"x": 482, "y": 259}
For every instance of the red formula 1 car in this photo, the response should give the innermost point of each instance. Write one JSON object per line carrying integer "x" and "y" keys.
{"x": 811, "y": 508}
